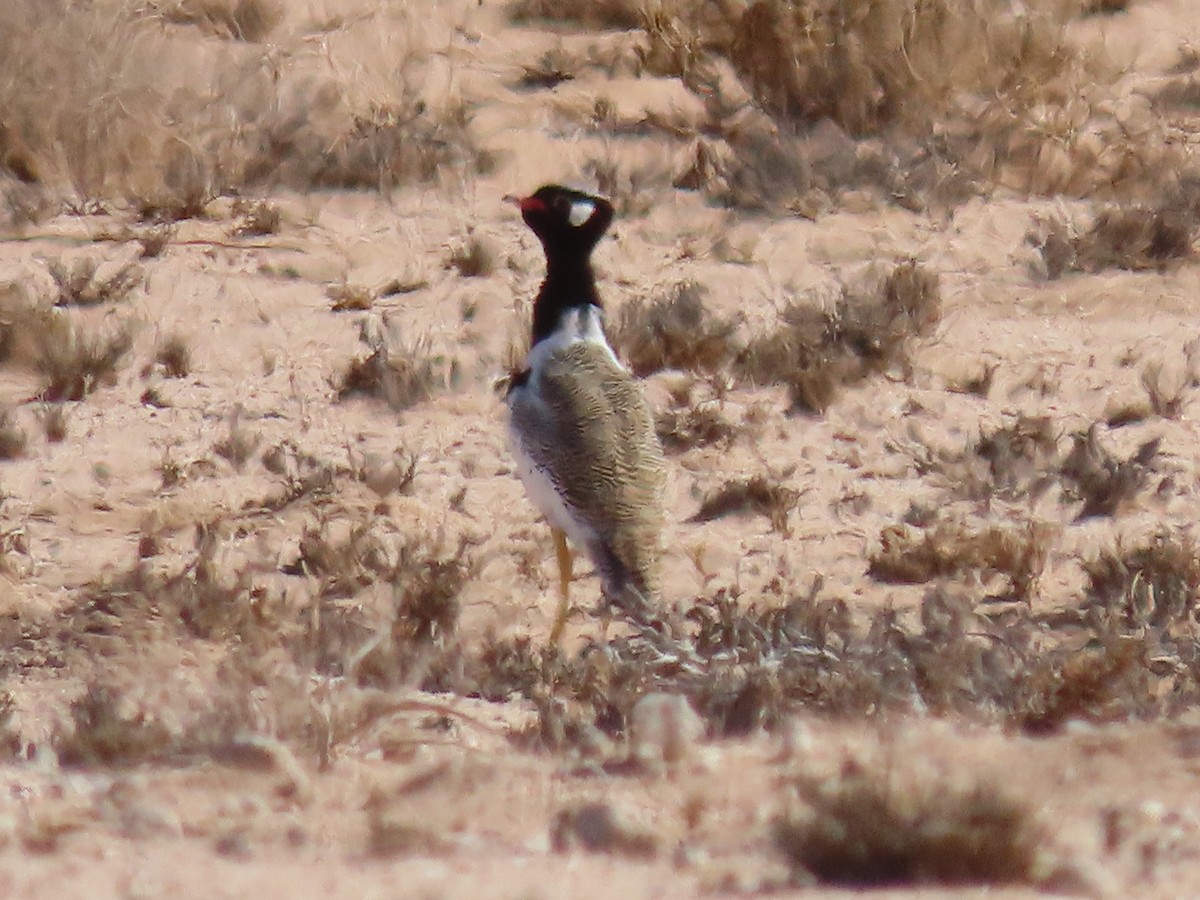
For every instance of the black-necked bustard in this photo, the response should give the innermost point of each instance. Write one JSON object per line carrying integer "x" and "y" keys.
{"x": 581, "y": 431}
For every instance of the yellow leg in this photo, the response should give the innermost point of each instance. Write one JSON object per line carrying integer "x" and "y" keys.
{"x": 563, "y": 552}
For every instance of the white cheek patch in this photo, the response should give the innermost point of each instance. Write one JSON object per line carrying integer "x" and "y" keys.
{"x": 581, "y": 211}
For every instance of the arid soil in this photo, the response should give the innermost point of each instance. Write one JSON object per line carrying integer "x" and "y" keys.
{"x": 276, "y": 609}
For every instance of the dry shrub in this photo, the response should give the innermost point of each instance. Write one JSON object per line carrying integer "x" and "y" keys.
{"x": 879, "y": 828}
{"x": 91, "y": 280}
{"x": 908, "y": 554}
{"x": 347, "y": 297}
{"x": 1135, "y": 236}
{"x": 255, "y": 218}
{"x": 761, "y": 495}
{"x": 747, "y": 662}
{"x": 1019, "y": 454}
{"x": 1165, "y": 388}
{"x": 75, "y": 359}
{"x": 816, "y": 353}
{"x": 597, "y": 828}
{"x": 72, "y": 355}
{"x": 553, "y": 68}
{"x": 240, "y": 442}
{"x": 673, "y": 330}
{"x": 591, "y": 14}
{"x": 940, "y": 95}
{"x": 472, "y": 257}
{"x": 243, "y": 20}
{"x": 104, "y": 102}
{"x": 174, "y": 356}
{"x": 401, "y": 373}
{"x": 107, "y": 732}
{"x": 1111, "y": 679}
{"x": 689, "y": 427}
{"x": 634, "y": 190}
{"x": 1104, "y": 483}
{"x": 1155, "y": 584}
{"x": 13, "y": 439}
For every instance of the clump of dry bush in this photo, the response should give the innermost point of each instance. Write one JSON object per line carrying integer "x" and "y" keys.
{"x": 868, "y": 331}
{"x": 101, "y": 103}
{"x": 761, "y": 495}
{"x": 883, "y": 826}
{"x": 910, "y": 554}
{"x": 1134, "y": 235}
{"x": 243, "y": 20}
{"x": 91, "y": 280}
{"x": 673, "y": 330}
{"x": 401, "y": 373}
{"x": 683, "y": 428}
{"x": 71, "y": 356}
{"x": 925, "y": 104}
{"x": 1154, "y": 584}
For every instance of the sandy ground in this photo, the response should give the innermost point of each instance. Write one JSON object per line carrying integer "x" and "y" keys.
{"x": 434, "y": 799}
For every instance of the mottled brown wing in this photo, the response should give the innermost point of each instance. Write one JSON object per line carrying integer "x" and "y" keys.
{"x": 593, "y": 434}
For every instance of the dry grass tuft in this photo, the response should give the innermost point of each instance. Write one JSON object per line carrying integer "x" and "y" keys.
{"x": 102, "y": 105}
{"x": 1019, "y": 454}
{"x": 591, "y": 14}
{"x": 909, "y": 554}
{"x": 243, "y": 20}
{"x": 816, "y": 353}
{"x": 1134, "y": 236}
{"x": 107, "y": 731}
{"x": 1156, "y": 584}
{"x": 91, "y": 280}
{"x": 255, "y": 218}
{"x": 868, "y": 829}
{"x": 673, "y": 330}
{"x": 13, "y": 438}
{"x": 53, "y": 417}
{"x": 75, "y": 359}
{"x": 689, "y": 427}
{"x": 400, "y": 373}
{"x": 472, "y": 257}
{"x": 240, "y": 442}
{"x": 174, "y": 356}
{"x": 597, "y": 828}
{"x": 761, "y": 496}
{"x": 1110, "y": 679}
{"x": 1106, "y": 485}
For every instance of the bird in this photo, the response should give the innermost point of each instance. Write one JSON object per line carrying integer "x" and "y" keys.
{"x": 580, "y": 429}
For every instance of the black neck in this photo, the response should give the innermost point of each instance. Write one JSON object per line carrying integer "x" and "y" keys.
{"x": 569, "y": 284}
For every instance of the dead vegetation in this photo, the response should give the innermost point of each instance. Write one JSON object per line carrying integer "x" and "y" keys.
{"x": 472, "y": 257}
{"x": 1154, "y": 584}
{"x": 243, "y": 20}
{"x": 88, "y": 280}
{"x": 689, "y": 427}
{"x": 673, "y": 330}
{"x": 762, "y": 495}
{"x": 1021, "y": 460}
{"x": 71, "y": 358}
{"x": 883, "y": 827}
{"x": 925, "y": 106}
{"x": 1135, "y": 236}
{"x": 127, "y": 120}
{"x": 399, "y": 372}
{"x": 912, "y": 554}
{"x": 817, "y": 353}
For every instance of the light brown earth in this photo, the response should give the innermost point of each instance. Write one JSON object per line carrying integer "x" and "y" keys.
{"x": 324, "y": 784}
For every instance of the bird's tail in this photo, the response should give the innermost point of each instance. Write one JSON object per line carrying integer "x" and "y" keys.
{"x": 630, "y": 591}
